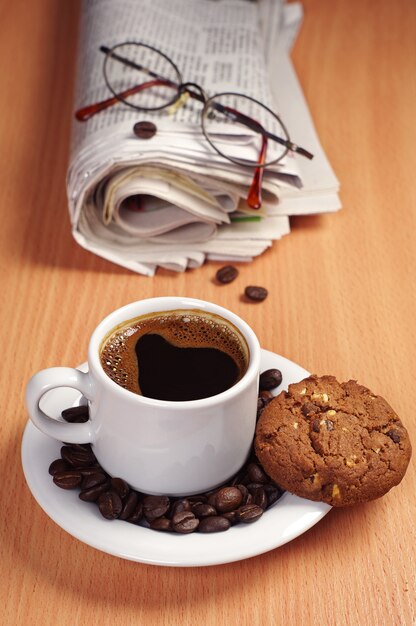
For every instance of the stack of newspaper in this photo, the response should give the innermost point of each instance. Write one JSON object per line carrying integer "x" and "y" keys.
{"x": 193, "y": 200}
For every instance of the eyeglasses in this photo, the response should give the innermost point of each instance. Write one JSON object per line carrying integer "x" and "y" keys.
{"x": 238, "y": 127}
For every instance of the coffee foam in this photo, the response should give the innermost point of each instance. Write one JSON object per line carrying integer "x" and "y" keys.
{"x": 183, "y": 329}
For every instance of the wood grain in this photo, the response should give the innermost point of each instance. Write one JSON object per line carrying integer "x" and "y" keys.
{"x": 342, "y": 301}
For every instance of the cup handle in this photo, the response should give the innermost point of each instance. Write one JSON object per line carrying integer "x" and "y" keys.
{"x": 52, "y": 378}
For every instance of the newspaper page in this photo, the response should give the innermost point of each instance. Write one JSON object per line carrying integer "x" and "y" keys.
{"x": 192, "y": 200}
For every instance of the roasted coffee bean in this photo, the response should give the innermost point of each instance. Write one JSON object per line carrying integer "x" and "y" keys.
{"x": 184, "y": 522}
{"x": 270, "y": 379}
{"x": 110, "y": 504}
{"x": 260, "y": 404}
{"x": 273, "y": 493}
{"x": 59, "y": 465}
{"x": 137, "y": 516}
{"x": 76, "y": 414}
{"x": 93, "y": 493}
{"x": 256, "y": 473}
{"x": 259, "y": 497}
{"x": 144, "y": 130}
{"x": 68, "y": 479}
{"x": 215, "y": 524}
{"x": 228, "y": 499}
{"x": 255, "y": 293}
{"x": 155, "y": 506}
{"x": 129, "y": 505}
{"x": 232, "y": 517}
{"x": 212, "y": 498}
{"x": 249, "y": 513}
{"x": 203, "y": 509}
{"x": 92, "y": 480}
{"x": 226, "y": 274}
{"x": 179, "y": 506}
{"x": 266, "y": 396}
{"x": 245, "y": 493}
{"x": 120, "y": 486}
{"x": 77, "y": 455}
{"x": 88, "y": 471}
{"x": 197, "y": 498}
{"x": 394, "y": 435}
{"x": 161, "y": 523}
{"x": 244, "y": 479}
{"x": 251, "y": 486}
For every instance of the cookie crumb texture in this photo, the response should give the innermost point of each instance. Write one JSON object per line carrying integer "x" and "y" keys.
{"x": 332, "y": 442}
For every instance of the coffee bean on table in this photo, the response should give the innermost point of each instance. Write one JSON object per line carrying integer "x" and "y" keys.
{"x": 256, "y": 473}
{"x": 94, "y": 479}
{"x": 155, "y": 506}
{"x": 185, "y": 522}
{"x": 228, "y": 499}
{"x": 145, "y": 129}
{"x": 214, "y": 524}
{"x": 180, "y": 505}
{"x": 76, "y": 414}
{"x": 110, "y": 504}
{"x": 93, "y": 493}
{"x": 203, "y": 509}
{"x": 68, "y": 479}
{"x": 266, "y": 396}
{"x": 245, "y": 493}
{"x": 211, "y": 498}
{"x": 226, "y": 274}
{"x": 231, "y": 516}
{"x": 255, "y": 293}
{"x": 273, "y": 493}
{"x": 59, "y": 465}
{"x": 259, "y": 497}
{"x": 161, "y": 523}
{"x": 137, "y": 516}
{"x": 270, "y": 379}
{"x": 249, "y": 513}
{"x": 129, "y": 505}
{"x": 120, "y": 486}
{"x": 77, "y": 455}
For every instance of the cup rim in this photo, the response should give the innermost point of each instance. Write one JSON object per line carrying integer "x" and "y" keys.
{"x": 167, "y": 303}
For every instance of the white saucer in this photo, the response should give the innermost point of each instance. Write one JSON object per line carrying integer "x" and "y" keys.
{"x": 288, "y": 518}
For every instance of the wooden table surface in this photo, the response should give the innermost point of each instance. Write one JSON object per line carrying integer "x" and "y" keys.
{"x": 342, "y": 301}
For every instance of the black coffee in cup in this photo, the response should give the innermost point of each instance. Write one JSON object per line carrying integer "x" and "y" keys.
{"x": 175, "y": 355}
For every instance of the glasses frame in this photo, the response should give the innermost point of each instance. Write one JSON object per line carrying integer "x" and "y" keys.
{"x": 196, "y": 92}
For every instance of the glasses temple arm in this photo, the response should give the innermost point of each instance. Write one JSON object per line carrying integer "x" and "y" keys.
{"x": 254, "y": 198}
{"x": 84, "y": 114}
{"x": 290, "y": 145}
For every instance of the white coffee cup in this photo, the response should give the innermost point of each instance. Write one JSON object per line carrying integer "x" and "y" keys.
{"x": 157, "y": 446}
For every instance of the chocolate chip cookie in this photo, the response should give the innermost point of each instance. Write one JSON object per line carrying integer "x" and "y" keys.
{"x": 332, "y": 442}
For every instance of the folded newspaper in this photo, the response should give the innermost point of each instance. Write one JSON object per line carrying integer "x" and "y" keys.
{"x": 169, "y": 200}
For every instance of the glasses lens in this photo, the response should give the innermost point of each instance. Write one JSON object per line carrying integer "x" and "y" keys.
{"x": 141, "y": 76}
{"x": 237, "y": 127}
